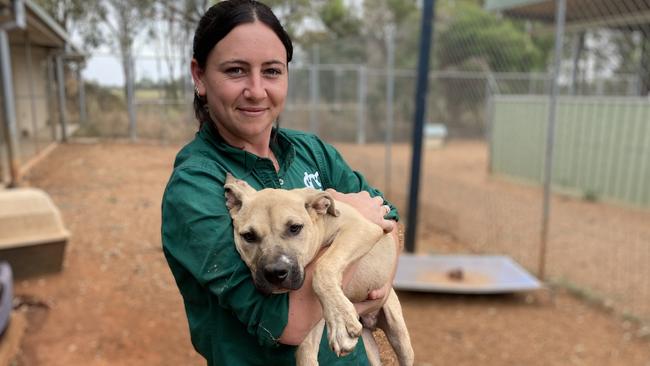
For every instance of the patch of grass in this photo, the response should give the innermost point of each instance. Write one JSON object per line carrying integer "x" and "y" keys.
{"x": 585, "y": 294}
{"x": 597, "y": 300}
{"x": 590, "y": 196}
{"x": 632, "y": 318}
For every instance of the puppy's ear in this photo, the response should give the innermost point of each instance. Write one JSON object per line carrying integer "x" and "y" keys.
{"x": 234, "y": 198}
{"x": 236, "y": 192}
{"x": 322, "y": 203}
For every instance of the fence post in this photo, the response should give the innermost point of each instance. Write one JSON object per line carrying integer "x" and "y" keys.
{"x": 390, "y": 92}
{"x": 361, "y": 115}
{"x": 550, "y": 133}
{"x": 337, "y": 87}
{"x": 9, "y": 107}
{"x": 314, "y": 89}
{"x": 82, "y": 94}
{"x": 576, "y": 52}
{"x": 51, "y": 109}
{"x": 60, "y": 80}
{"x": 428, "y": 14}
{"x": 490, "y": 89}
{"x": 30, "y": 88}
{"x": 130, "y": 96}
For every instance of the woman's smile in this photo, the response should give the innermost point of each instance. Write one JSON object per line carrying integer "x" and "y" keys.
{"x": 252, "y": 111}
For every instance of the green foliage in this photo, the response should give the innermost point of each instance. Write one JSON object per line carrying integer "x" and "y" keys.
{"x": 471, "y": 39}
{"x": 475, "y": 33}
{"x": 339, "y": 20}
{"x": 401, "y": 10}
{"x": 292, "y": 14}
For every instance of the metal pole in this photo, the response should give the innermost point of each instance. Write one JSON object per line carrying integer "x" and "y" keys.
{"x": 428, "y": 14}
{"x": 644, "y": 65}
{"x": 361, "y": 114}
{"x": 489, "y": 120}
{"x": 4, "y": 168}
{"x": 9, "y": 107}
{"x": 161, "y": 98}
{"x": 130, "y": 96}
{"x": 314, "y": 89}
{"x": 337, "y": 88}
{"x": 63, "y": 115}
{"x": 576, "y": 50}
{"x": 390, "y": 96}
{"x": 51, "y": 109}
{"x": 550, "y": 134}
{"x": 82, "y": 94}
{"x": 30, "y": 88}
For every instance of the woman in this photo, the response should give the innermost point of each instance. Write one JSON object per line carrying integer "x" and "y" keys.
{"x": 240, "y": 70}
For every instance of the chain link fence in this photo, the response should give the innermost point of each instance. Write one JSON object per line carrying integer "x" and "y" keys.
{"x": 494, "y": 89}
{"x": 40, "y": 75}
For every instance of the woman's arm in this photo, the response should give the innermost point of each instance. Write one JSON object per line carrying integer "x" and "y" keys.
{"x": 198, "y": 244}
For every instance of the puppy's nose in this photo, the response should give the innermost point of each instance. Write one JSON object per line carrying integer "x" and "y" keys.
{"x": 275, "y": 273}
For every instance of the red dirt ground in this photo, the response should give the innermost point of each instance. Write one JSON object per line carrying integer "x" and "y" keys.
{"x": 116, "y": 303}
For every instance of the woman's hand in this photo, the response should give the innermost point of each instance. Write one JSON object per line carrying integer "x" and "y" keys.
{"x": 372, "y": 208}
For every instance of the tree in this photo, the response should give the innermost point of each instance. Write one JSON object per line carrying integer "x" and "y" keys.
{"x": 338, "y": 19}
{"x": 68, "y": 13}
{"x": 474, "y": 40}
{"x": 475, "y": 33}
{"x": 175, "y": 24}
{"x": 118, "y": 22}
{"x": 292, "y": 14}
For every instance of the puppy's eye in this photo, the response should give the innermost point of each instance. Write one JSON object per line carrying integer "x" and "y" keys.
{"x": 295, "y": 229}
{"x": 250, "y": 237}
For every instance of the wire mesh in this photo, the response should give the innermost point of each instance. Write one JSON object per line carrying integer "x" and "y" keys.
{"x": 489, "y": 100}
{"x": 34, "y": 96}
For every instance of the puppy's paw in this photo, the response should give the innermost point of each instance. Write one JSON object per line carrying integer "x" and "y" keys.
{"x": 343, "y": 332}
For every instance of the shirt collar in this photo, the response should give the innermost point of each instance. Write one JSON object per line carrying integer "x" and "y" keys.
{"x": 280, "y": 144}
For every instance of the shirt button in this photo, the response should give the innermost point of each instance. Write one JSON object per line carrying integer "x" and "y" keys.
{"x": 281, "y": 181}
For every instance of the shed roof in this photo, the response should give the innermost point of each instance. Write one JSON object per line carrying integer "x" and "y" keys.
{"x": 41, "y": 28}
{"x": 632, "y": 14}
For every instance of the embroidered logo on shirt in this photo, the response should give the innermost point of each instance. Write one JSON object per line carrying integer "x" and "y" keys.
{"x": 312, "y": 181}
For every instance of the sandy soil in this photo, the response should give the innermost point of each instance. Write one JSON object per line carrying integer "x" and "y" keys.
{"x": 116, "y": 303}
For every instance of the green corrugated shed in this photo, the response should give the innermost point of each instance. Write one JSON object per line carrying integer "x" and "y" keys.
{"x": 496, "y": 5}
{"x": 602, "y": 145}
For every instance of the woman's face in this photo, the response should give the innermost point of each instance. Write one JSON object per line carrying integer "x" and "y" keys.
{"x": 245, "y": 82}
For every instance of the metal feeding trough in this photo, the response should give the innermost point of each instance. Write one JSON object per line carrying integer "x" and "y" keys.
{"x": 462, "y": 274}
{"x": 32, "y": 236}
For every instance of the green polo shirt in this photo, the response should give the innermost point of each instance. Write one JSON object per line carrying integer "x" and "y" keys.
{"x": 230, "y": 322}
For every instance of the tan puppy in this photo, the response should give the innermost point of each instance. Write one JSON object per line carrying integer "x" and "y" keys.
{"x": 278, "y": 232}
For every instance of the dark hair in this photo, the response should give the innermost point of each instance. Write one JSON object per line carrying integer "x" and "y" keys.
{"x": 218, "y": 21}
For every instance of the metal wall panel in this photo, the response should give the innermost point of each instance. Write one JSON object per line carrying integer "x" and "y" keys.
{"x": 602, "y": 145}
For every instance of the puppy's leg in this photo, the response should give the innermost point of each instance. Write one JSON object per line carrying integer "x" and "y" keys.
{"x": 307, "y": 352}
{"x": 391, "y": 321}
{"x": 342, "y": 321}
{"x": 372, "y": 350}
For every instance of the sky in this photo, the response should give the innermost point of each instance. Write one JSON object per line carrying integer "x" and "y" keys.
{"x": 104, "y": 65}
{"x": 106, "y": 69}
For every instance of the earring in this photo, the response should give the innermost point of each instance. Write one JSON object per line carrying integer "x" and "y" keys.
{"x": 196, "y": 90}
